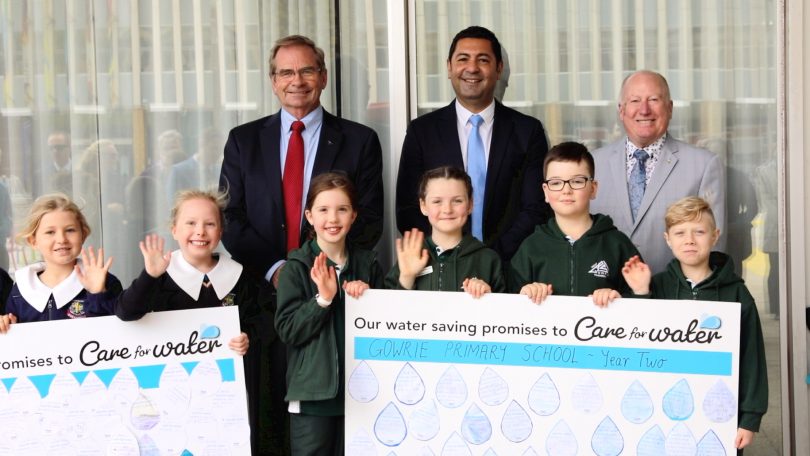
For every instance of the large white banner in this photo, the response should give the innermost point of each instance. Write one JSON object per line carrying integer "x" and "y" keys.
{"x": 164, "y": 385}
{"x": 437, "y": 373}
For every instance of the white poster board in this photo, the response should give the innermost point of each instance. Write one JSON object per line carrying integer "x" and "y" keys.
{"x": 166, "y": 384}
{"x": 438, "y": 373}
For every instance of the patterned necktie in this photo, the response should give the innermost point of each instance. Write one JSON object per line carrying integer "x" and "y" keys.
{"x": 293, "y": 185}
{"x": 638, "y": 180}
{"x": 477, "y": 169}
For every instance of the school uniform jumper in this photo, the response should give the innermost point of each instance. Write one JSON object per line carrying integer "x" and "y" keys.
{"x": 447, "y": 270}
{"x": 6, "y": 284}
{"x": 724, "y": 285}
{"x": 31, "y": 300}
{"x": 315, "y": 338}
{"x": 593, "y": 261}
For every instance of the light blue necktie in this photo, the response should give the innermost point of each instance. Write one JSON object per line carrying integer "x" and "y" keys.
{"x": 477, "y": 169}
{"x": 638, "y": 180}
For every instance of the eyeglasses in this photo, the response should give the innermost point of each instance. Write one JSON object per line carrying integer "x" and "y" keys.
{"x": 305, "y": 73}
{"x": 576, "y": 183}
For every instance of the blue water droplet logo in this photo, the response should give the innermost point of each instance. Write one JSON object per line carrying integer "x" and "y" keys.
{"x": 719, "y": 404}
{"x": 586, "y": 395}
{"x": 561, "y": 441}
{"x": 209, "y": 332}
{"x": 680, "y": 441}
{"x": 637, "y": 405}
{"x": 710, "y": 445}
{"x": 409, "y": 387}
{"x": 710, "y": 322}
{"x": 678, "y": 402}
{"x": 451, "y": 391}
{"x": 606, "y": 439}
{"x": 516, "y": 424}
{"x": 544, "y": 398}
{"x": 389, "y": 428}
{"x": 492, "y": 388}
{"x": 651, "y": 443}
{"x": 425, "y": 423}
{"x": 475, "y": 426}
{"x": 363, "y": 384}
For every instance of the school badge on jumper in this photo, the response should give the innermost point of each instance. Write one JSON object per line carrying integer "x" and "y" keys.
{"x": 228, "y": 300}
{"x": 76, "y": 309}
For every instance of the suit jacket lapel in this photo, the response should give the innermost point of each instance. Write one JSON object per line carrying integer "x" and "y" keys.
{"x": 501, "y": 132}
{"x": 666, "y": 162}
{"x": 448, "y": 134}
{"x": 618, "y": 170}
{"x": 269, "y": 140}
{"x": 328, "y": 144}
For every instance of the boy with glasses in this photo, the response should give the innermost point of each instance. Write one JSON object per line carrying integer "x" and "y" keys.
{"x": 576, "y": 252}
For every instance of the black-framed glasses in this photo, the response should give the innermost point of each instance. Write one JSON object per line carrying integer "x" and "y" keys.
{"x": 576, "y": 183}
{"x": 305, "y": 73}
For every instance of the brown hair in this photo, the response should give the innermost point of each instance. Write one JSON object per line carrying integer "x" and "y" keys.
{"x": 445, "y": 172}
{"x": 569, "y": 152}
{"x": 217, "y": 197}
{"x": 689, "y": 209}
{"x": 331, "y": 181}
{"x": 297, "y": 40}
{"x": 50, "y": 203}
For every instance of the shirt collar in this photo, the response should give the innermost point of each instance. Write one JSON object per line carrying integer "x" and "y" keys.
{"x": 223, "y": 277}
{"x": 37, "y": 293}
{"x": 651, "y": 150}
{"x": 463, "y": 114}
{"x": 314, "y": 118}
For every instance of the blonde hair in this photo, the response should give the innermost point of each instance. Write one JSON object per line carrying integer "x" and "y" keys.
{"x": 50, "y": 203}
{"x": 689, "y": 209}
{"x": 217, "y": 197}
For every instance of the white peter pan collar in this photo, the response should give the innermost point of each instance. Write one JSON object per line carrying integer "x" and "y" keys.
{"x": 37, "y": 293}
{"x": 223, "y": 277}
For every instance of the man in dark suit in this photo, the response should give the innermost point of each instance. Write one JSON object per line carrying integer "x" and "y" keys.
{"x": 254, "y": 163}
{"x": 514, "y": 146}
{"x": 259, "y": 157}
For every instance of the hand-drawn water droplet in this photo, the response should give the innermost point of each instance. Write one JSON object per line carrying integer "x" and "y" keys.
{"x": 424, "y": 422}
{"x": 637, "y": 405}
{"x": 144, "y": 415}
{"x": 606, "y": 439}
{"x": 561, "y": 441}
{"x": 492, "y": 388}
{"x": 451, "y": 391}
{"x": 516, "y": 424}
{"x": 390, "y": 426}
{"x": 678, "y": 403}
{"x": 409, "y": 387}
{"x": 529, "y": 452}
{"x": 719, "y": 405}
{"x": 544, "y": 398}
{"x": 363, "y": 384}
{"x": 361, "y": 445}
{"x": 475, "y": 427}
{"x": 490, "y": 452}
{"x": 586, "y": 395}
{"x": 205, "y": 379}
{"x": 710, "y": 445}
{"x": 680, "y": 441}
{"x": 455, "y": 446}
{"x": 651, "y": 443}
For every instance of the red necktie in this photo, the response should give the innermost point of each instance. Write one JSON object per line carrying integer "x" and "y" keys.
{"x": 293, "y": 183}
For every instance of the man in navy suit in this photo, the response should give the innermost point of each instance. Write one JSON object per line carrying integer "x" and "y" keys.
{"x": 252, "y": 170}
{"x": 253, "y": 165}
{"x": 514, "y": 146}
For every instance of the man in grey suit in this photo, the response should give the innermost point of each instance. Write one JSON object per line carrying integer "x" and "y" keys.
{"x": 648, "y": 170}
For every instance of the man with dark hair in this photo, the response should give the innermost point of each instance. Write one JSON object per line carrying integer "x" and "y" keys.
{"x": 501, "y": 149}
